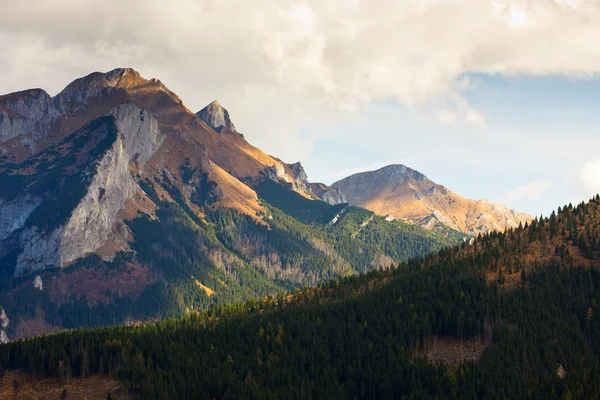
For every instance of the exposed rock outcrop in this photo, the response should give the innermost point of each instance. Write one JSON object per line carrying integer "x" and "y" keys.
{"x": 27, "y": 112}
{"x": 217, "y": 117}
{"x": 38, "y": 283}
{"x": 298, "y": 176}
{"x": 95, "y": 216}
{"x": 328, "y": 194}
{"x": 4, "y": 321}
{"x": 14, "y": 214}
{"x": 292, "y": 174}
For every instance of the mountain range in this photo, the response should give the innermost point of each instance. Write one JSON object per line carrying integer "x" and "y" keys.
{"x": 119, "y": 204}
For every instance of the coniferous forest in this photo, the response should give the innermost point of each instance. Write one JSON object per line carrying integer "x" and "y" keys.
{"x": 526, "y": 300}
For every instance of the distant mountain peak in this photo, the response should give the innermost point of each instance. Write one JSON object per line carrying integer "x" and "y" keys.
{"x": 407, "y": 194}
{"x": 217, "y": 117}
{"x": 395, "y": 174}
{"x": 394, "y": 167}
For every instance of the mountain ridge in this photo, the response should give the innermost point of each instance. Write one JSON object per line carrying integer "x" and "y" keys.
{"x": 400, "y": 192}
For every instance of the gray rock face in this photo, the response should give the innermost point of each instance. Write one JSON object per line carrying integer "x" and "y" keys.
{"x": 139, "y": 132}
{"x": 4, "y": 321}
{"x": 79, "y": 92}
{"x": 293, "y": 174}
{"x": 38, "y": 283}
{"x": 12, "y": 126}
{"x": 299, "y": 176}
{"x": 35, "y": 105}
{"x": 13, "y": 214}
{"x": 328, "y": 194}
{"x": 39, "y": 250}
{"x": 92, "y": 221}
{"x": 29, "y": 113}
{"x": 95, "y": 217}
{"x": 215, "y": 116}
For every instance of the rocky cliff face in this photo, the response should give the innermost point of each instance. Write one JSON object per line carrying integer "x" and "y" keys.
{"x": 4, "y": 322}
{"x": 403, "y": 193}
{"x": 298, "y": 176}
{"x": 291, "y": 174}
{"x": 14, "y": 214}
{"x": 215, "y": 116}
{"x": 25, "y": 116}
{"x": 328, "y": 194}
{"x": 94, "y": 217}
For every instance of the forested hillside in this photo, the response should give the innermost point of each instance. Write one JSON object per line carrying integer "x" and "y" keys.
{"x": 526, "y": 300}
{"x": 179, "y": 262}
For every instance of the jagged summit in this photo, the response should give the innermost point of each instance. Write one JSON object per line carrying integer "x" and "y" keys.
{"x": 217, "y": 117}
{"x": 111, "y": 78}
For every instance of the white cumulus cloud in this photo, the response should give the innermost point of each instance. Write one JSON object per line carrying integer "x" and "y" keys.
{"x": 590, "y": 177}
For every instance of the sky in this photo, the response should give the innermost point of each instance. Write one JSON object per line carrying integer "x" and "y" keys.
{"x": 494, "y": 99}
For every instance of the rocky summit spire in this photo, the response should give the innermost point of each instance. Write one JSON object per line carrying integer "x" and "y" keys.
{"x": 215, "y": 116}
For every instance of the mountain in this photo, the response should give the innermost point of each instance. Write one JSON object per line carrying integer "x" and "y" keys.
{"x": 512, "y": 315}
{"x": 215, "y": 116}
{"x": 403, "y": 193}
{"x": 119, "y": 204}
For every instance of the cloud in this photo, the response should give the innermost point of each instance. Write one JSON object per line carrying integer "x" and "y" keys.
{"x": 446, "y": 116}
{"x": 474, "y": 117}
{"x": 323, "y": 58}
{"x": 590, "y": 177}
{"x": 528, "y": 191}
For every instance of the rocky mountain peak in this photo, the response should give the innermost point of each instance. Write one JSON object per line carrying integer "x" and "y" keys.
{"x": 21, "y": 112}
{"x": 298, "y": 171}
{"x": 28, "y": 103}
{"x": 400, "y": 172}
{"x": 407, "y": 194}
{"x": 217, "y": 117}
{"x": 78, "y": 92}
